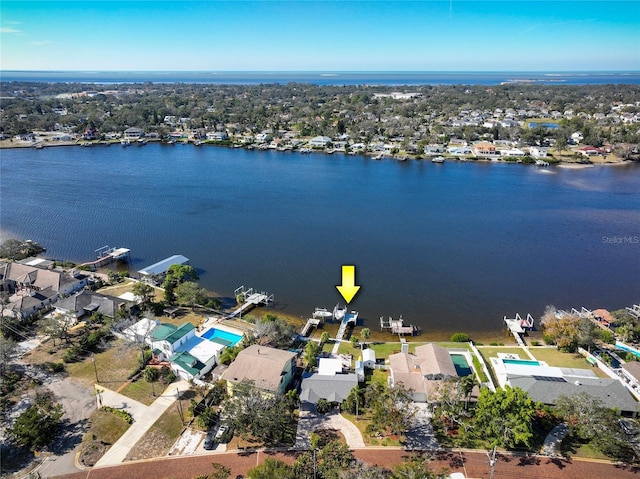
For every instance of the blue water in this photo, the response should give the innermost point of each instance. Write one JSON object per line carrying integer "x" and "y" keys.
{"x": 451, "y": 247}
{"x": 212, "y": 334}
{"x": 551, "y": 126}
{"x": 462, "y": 366}
{"x": 327, "y": 78}
{"x": 521, "y": 362}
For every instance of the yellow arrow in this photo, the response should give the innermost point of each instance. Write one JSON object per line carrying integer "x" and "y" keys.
{"x": 348, "y": 288}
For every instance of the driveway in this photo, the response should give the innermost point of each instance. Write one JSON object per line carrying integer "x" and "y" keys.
{"x": 310, "y": 421}
{"x": 420, "y": 435}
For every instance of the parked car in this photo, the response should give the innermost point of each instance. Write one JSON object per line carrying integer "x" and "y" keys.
{"x": 209, "y": 440}
{"x": 221, "y": 432}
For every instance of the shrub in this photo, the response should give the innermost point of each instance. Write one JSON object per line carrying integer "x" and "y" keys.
{"x": 459, "y": 338}
{"x": 72, "y": 354}
{"x": 535, "y": 343}
{"x": 128, "y": 418}
{"x": 323, "y": 406}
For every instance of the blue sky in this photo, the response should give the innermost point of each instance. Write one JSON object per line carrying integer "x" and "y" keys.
{"x": 320, "y": 35}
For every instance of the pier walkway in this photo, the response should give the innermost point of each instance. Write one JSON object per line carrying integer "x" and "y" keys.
{"x": 351, "y": 317}
{"x": 251, "y": 299}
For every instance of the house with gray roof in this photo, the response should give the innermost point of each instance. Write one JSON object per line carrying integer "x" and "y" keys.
{"x": 269, "y": 369}
{"x": 88, "y": 303}
{"x": 334, "y": 388}
{"x": 33, "y": 289}
{"x": 547, "y": 390}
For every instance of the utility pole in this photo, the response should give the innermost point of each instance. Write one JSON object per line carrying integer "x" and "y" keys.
{"x": 95, "y": 369}
{"x": 492, "y": 461}
{"x": 180, "y": 406}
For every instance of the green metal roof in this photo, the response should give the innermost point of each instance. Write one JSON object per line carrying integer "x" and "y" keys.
{"x": 162, "y": 331}
{"x": 180, "y": 332}
{"x": 187, "y": 362}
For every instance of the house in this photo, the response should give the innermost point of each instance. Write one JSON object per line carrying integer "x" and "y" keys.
{"x": 191, "y": 356}
{"x": 217, "y": 136}
{"x": 133, "y": 133}
{"x": 319, "y": 142}
{"x": 538, "y": 152}
{"x": 547, "y": 390}
{"x": 268, "y": 368}
{"x": 329, "y": 383}
{"x": 32, "y": 289}
{"x": 484, "y": 149}
{"x": 90, "y": 133}
{"x": 140, "y": 331}
{"x": 333, "y": 388}
{"x": 423, "y": 371}
{"x": 88, "y": 303}
{"x": 369, "y": 358}
{"x": 591, "y": 151}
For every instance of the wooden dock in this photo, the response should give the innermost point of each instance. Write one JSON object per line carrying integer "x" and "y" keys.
{"x": 251, "y": 299}
{"x": 107, "y": 255}
{"x": 311, "y": 323}
{"x": 396, "y": 326}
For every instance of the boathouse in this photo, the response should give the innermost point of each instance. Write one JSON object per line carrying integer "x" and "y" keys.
{"x": 160, "y": 268}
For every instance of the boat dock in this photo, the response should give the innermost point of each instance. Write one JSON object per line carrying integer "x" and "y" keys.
{"x": 349, "y": 318}
{"x": 318, "y": 318}
{"x": 519, "y": 326}
{"x": 396, "y": 326}
{"x": 250, "y": 299}
{"x": 107, "y": 255}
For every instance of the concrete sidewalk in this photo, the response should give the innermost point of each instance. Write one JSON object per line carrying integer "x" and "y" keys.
{"x": 144, "y": 418}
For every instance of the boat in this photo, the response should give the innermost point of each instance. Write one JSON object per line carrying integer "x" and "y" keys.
{"x": 197, "y": 143}
{"x": 339, "y": 313}
{"x": 542, "y": 163}
{"x": 378, "y": 156}
{"x": 125, "y": 142}
{"x": 438, "y": 159}
{"x": 322, "y": 313}
{"x": 142, "y": 141}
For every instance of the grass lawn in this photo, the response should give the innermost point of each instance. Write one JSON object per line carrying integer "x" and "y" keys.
{"x": 161, "y": 436}
{"x": 106, "y": 427}
{"x": 371, "y": 440}
{"x": 141, "y": 391}
{"x": 492, "y": 351}
{"x": 113, "y": 365}
{"x": 553, "y": 357}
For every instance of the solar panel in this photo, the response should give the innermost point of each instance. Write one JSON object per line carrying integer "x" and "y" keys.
{"x": 550, "y": 378}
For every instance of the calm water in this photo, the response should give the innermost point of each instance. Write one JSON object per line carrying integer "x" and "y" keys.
{"x": 452, "y": 247}
{"x": 327, "y": 78}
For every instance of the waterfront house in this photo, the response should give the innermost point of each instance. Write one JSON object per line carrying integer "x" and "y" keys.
{"x": 191, "y": 356}
{"x": 422, "y": 372}
{"x": 140, "y": 331}
{"x": 320, "y": 142}
{"x": 88, "y": 303}
{"x": 538, "y": 152}
{"x": 32, "y": 289}
{"x": 217, "y": 136}
{"x": 334, "y": 388}
{"x": 133, "y": 133}
{"x": 484, "y": 149}
{"x": 269, "y": 369}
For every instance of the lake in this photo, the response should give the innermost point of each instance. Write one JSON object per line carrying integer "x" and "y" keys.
{"x": 451, "y": 247}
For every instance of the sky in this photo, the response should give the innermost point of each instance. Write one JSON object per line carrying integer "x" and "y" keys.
{"x": 301, "y": 35}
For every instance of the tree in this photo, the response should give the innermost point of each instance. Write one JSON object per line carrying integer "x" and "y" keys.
{"x": 7, "y": 346}
{"x": 365, "y": 334}
{"x": 179, "y": 273}
{"x": 393, "y": 410}
{"x": 504, "y": 418}
{"x": 271, "y": 469}
{"x": 229, "y": 354}
{"x": 190, "y": 294}
{"x": 143, "y": 291}
{"x": 251, "y": 413}
{"x": 38, "y": 425}
{"x": 562, "y": 329}
{"x": 151, "y": 375}
{"x": 57, "y": 326}
{"x": 324, "y": 337}
{"x": 311, "y": 351}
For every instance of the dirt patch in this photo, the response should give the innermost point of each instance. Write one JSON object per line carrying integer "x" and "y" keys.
{"x": 92, "y": 452}
{"x": 153, "y": 444}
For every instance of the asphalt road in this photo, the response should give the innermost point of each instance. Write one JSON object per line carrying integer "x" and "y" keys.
{"x": 473, "y": 464}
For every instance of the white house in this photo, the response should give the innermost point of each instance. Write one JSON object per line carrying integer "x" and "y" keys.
{"x": 217, "y": 135}
{"x": 133, "y": 133}
{"x": 538, "y": 152}
{"x": 369, "y": 358}
{"x": 140, "y": 332}
{"x": 319, "y": 141}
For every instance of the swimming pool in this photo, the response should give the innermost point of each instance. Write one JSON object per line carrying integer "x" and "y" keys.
{"x": 523, "y": 362}
{"x": 222, "y": 337}
{"x": 462, "y": 365}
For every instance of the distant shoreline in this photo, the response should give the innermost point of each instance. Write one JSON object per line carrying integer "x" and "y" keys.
{"x": 7, "y": 144}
